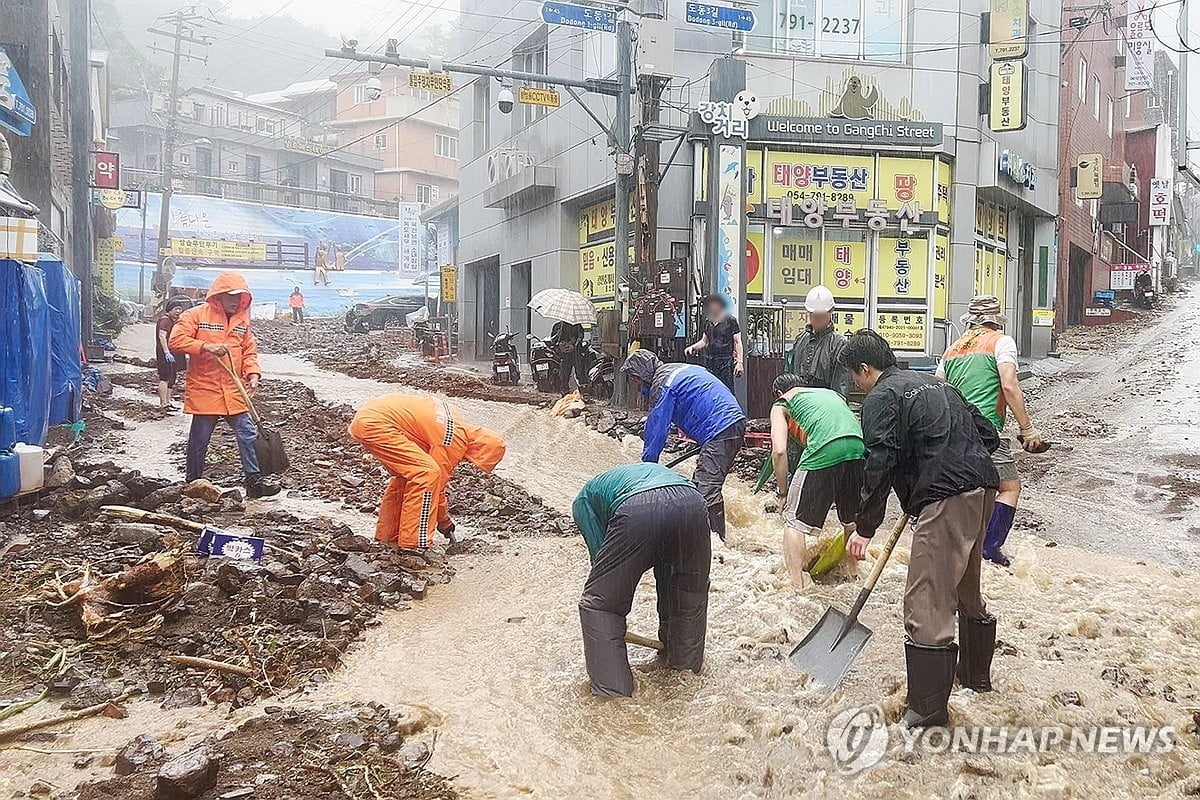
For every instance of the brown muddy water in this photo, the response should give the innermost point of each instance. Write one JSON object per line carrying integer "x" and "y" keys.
{"x": 496, "y": 656}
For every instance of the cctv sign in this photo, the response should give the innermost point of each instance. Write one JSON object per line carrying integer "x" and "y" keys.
{"x": 439, "y": 82}
{"x": 106, "y": 170}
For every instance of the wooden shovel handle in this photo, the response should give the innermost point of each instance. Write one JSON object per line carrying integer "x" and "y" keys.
{"x": 644, "y": 641}
{"x": 241, "y": 387}
{"x": 888, "y": 546}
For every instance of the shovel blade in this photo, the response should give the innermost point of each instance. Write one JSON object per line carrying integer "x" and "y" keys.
{"x": 819, "y": 656}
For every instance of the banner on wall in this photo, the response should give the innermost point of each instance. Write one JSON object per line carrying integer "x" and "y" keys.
{"x": 756, "y": 239}
{"x": 730, "y": 246}
{"x": 903, "y": 267}
{"x": 598, "y": 252}
{"x": 941, "y": 277}
{"x": 903, "y": 330}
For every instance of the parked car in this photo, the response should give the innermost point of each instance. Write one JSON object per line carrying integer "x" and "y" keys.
{"x": 386, "y": 313}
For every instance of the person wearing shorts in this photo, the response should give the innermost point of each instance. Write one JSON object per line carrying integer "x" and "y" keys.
{"x": 982, "y": 365}
{"x": 830, "y": 471}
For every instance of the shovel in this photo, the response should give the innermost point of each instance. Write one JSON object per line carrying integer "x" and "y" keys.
{"x": 684, "y": 456}
{"x": 829, "y": 649}
{"x": 268, "y": 446}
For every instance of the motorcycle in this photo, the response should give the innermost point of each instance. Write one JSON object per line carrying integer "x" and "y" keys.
{"x": 545, "y": 365}
{"x": 1144, "y": 296}
{"x": 506, "y": 363}
{"x": 601, "y": 373}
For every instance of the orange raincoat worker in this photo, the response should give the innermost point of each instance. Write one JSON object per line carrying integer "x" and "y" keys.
{"x": 216, "y": 331}
{"x": 420, "y": 440}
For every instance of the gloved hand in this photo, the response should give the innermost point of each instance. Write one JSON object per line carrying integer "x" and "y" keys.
{"x": 169, "y": 357}
{"x": 446, "y": 528}
{"x": 1031, "y": 439}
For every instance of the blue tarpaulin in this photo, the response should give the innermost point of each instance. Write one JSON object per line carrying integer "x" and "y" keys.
{"x": 66, "y": 366}
{"x": 25, "y": 360}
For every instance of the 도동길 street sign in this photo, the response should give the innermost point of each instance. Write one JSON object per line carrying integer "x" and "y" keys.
{"x": 734, "y": 19}
{"x": 573, "y": 16}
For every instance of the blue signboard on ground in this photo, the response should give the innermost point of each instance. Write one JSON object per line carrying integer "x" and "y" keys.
{"x": 573, "y": 16}
{"x": 735, "y": 19}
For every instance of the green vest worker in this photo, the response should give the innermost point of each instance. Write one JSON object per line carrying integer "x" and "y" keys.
{"x": 830, "y": 469}
{"x": 982, "y": 365}
{"x": 634, "y": 518}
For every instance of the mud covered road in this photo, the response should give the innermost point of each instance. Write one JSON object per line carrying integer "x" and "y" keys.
{"x": 1123, "y": 408}
{"x": 1095, "y": 628}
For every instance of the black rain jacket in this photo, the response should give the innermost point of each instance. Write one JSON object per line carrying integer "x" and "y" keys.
{"x": 923, "y": 440}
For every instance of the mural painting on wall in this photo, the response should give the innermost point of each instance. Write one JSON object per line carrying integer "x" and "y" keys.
{"x": 851, "y": 96}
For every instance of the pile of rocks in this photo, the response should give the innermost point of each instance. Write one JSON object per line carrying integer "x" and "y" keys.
{"x": 285, "y": 754}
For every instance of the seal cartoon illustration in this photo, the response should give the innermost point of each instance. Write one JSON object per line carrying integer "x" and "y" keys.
{"x": 746, "y": 103}
{"x": 855, "y": 104}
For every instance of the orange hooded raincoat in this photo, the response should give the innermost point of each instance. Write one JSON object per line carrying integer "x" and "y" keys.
{"x": 420, "y": 440}
{"x": 209, "y": 389}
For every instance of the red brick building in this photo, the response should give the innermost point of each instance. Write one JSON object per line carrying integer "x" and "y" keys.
{"x": 1095, "y": 112}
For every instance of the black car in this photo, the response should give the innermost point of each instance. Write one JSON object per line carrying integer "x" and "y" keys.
{"x": 386, "y": 313}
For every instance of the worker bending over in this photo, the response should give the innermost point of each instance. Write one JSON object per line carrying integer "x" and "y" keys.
{"x": 634, "y": 518}
{"x": 420, "y": 440}
{"x": 704, "y": 410}
{"x": 830, "y": 469}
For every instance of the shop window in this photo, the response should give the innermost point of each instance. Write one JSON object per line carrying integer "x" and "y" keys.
{"x": 872, "y": 30}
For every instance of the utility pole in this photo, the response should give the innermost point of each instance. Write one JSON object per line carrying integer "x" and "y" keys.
{"x": 185, "y": 22}
{"x": 624, "y": 162}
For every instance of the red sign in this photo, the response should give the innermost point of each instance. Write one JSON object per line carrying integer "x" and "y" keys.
{"x": 106, "y": 170}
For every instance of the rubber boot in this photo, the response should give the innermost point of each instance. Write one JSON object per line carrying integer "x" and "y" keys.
{"x": 930, "y": 679}
{"x": 257, "y": 487}
{"x": 977, "y": 643}
{"x": 716, "y": 519}
{"x": 997, "y": 534}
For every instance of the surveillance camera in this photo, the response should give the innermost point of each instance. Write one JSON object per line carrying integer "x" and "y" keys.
{"x": 374, "y": 88}
{"x": 505, "y": 100}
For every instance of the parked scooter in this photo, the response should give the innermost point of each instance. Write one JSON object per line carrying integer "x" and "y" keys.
{"x": 1143, "y": 291}
{"x": 545, "y": 365}
{"x": 601, "y": 373}
{"x": 506, "y": 363}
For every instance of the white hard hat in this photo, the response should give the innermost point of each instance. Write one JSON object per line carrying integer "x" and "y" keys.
{"x": 819, "y": 300}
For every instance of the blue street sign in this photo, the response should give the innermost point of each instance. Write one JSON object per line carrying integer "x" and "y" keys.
{"x": 573, "y": 16}
{"x": 735, "y": 19}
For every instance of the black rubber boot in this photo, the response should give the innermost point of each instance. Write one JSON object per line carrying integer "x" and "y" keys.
{"x": 716, "y": 519}
{"x": 257, "y": 487}
{"x": 977, "y": 643}
{"x": 930, "y": 679}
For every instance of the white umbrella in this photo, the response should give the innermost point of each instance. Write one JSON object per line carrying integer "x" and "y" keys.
{"x": 565, "y": 305}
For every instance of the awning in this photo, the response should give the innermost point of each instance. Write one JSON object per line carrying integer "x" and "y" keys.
{"x": 16, "y": 111}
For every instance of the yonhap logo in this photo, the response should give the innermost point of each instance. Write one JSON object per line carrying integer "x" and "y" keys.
{"x": 857, "y": 739}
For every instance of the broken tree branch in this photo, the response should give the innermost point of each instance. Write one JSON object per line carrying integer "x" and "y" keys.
{"x": 90, "y": 711}
{"x": 217, "y": 666}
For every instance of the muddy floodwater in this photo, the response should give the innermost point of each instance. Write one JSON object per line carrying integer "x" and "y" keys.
{"x": 495, "y": 658}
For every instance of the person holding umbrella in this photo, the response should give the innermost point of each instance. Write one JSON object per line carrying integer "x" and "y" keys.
{"x": 572, "y": 311}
